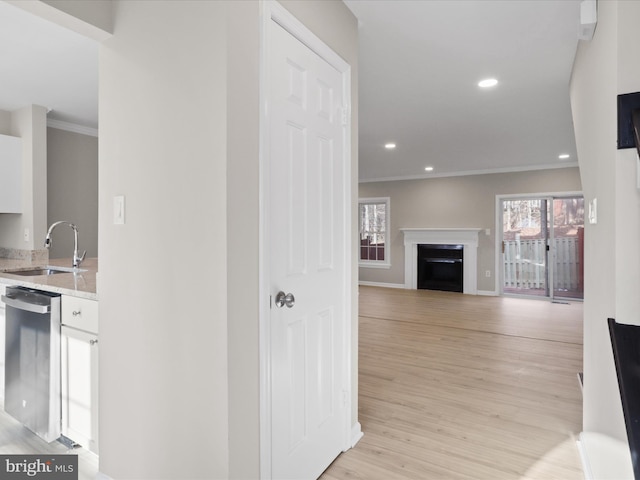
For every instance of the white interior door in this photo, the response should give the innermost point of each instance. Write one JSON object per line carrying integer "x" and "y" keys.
{"x": 307, "y": 250}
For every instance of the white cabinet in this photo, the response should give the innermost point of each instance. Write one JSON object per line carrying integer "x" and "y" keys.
{"x": 10, "y": 174}
{"x": 79, "y": 363}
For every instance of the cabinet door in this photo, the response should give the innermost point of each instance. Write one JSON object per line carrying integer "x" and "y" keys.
{"x": 80, "y": 387}
{"x": 10, "y": 174}
{"x": 80, "y": 313}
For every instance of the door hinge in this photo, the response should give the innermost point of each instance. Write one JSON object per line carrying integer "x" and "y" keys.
{"x": 345, "y": 398}
{"x": 345, "y": 115}
{"x": 270, "y": 301}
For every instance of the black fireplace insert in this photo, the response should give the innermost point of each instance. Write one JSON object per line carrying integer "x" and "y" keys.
{"x": 440, "y": 267}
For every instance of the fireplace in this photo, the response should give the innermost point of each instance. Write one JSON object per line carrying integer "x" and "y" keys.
{"x": 466, "y": 237}
{"x": 440, "y": 267}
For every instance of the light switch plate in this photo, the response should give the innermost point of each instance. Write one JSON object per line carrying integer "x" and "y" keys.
{"x": 118, "y": 210}
{"x": 593, "y": 211}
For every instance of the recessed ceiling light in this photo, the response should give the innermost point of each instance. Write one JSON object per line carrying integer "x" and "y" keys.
{"x": 564, "y": 156}
{"x": 390, "y": 146}
{"x": 487, "y": 83}
{"x": 428, "y": 169}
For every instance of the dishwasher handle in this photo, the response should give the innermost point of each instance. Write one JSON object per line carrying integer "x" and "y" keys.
{"x": 21, "y": 304}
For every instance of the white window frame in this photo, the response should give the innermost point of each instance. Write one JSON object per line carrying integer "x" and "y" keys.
{"x": 386, "y": 263}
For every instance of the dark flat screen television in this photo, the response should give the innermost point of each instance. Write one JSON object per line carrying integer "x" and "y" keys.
{"x": 628, "y": 103}
{"x": 635, "y": 120}
{"x": 625, "y": 340}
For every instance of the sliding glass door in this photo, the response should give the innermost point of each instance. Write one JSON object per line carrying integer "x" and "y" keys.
{"x": 525, "y": 234}
{"x": 542, "y": 246}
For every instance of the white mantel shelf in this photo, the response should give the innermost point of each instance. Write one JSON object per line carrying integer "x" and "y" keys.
{"x": 454, "y": 236}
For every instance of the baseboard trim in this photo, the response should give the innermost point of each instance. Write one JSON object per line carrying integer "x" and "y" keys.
{"x": 364, "y": 283}
{"x": 380, "y": 284}
{"x": 356, "y": 434}
{"x": 488, "y": 293}
{"x": 603, "y": 456}
{"x": 586, "y": 469}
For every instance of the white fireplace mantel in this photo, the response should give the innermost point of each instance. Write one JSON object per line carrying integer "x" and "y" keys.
{"x": 434, "y": 236}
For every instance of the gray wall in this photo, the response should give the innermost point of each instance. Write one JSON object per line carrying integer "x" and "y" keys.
{"x": 30, "y": 124}
{"x": 605, "y": 67}
{"x": 457, "y": 202}
{"x": 72, "y": 191}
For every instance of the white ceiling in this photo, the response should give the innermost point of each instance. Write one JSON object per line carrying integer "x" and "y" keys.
{"x": 420, "y": 61}
{"x": 44, "y": 64}
{"x": 419, "y": 65}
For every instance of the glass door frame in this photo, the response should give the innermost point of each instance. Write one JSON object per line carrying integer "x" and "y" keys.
{"x": 549, "y": 259}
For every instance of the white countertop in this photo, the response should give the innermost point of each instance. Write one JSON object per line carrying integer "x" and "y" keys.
{"x": 81, "y": 284}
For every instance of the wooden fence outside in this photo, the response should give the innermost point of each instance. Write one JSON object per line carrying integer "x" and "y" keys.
{"x": 524, "y": 264}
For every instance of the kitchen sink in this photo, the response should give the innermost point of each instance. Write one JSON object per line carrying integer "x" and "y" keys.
{"x": 48, "y": 270}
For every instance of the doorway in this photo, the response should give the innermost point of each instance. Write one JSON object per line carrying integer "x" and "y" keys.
{"x": 542, "y": 246}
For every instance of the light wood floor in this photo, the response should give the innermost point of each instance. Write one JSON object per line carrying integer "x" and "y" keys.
{"x": 15, "y": 438}
{"x": 457, "y": 386}
{"x": 452, "y": 386}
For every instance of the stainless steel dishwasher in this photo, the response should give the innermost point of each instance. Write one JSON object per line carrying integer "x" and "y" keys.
{"x": 32, "y": 360}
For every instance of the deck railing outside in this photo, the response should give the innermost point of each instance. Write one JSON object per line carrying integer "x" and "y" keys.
{"x": 524, "y": 264}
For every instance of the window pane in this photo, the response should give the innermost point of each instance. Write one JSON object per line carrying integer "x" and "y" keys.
{"x": 372, "y": 231}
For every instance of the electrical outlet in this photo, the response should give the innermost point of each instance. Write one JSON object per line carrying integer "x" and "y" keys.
{"x": 487, "y": 273}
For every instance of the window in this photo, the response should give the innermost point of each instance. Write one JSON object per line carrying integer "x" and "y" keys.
{"x": 374, "y": 228}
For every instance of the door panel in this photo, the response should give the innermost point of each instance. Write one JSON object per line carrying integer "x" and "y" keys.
{"x": 295, "y": 187}
{"x": 307, "y": 245}
{"x": 525, "y": 238}
{"x": 568, "y": 247}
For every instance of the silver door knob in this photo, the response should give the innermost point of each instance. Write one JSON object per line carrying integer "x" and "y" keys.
{"x": 283, "y": 299}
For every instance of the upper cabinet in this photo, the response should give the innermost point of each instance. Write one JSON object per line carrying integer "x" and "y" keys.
{"x": 10, "y": 174}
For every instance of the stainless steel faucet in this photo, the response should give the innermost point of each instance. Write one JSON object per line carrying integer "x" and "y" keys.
{"x": 77, "y": 258}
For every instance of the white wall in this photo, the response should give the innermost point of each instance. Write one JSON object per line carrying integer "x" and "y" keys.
{"x": 162, "y": 280}
{"x": 179, "y": 137}
{"x": 5, "y": 122}
{"x": 605, "y": 67}
{"x": 627, "y": 193}
{"x": 92, "y": 19}
{"x": 243, "y": 200}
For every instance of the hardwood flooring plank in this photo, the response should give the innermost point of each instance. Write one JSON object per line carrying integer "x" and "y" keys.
{"x": 456, "y": 386}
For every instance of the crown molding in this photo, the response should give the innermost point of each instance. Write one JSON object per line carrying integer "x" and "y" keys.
{"x": 72, "y": 127}
{"x": 466, "y": 173}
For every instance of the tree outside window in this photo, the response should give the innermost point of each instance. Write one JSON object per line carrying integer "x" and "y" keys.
{"x": 374, "y": 223}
